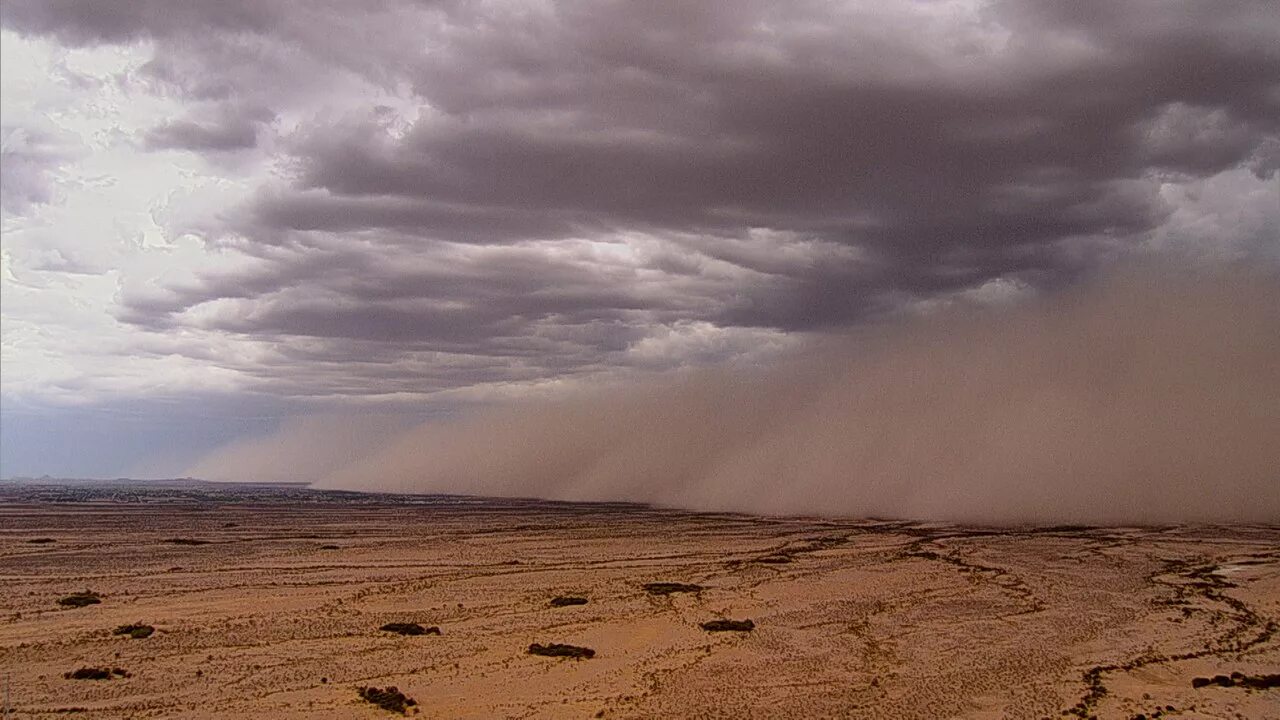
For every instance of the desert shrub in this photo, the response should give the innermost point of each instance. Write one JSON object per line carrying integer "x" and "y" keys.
{"x": 81, "y": 599}
{"x": 402, "y": 628}
{"x": 561, "y": 650}
{"x": 96, "y": 673}
{"x": 137, "y": 631}
{"x": 1237, "y": 679}
{"x": 728, "y": 626}
{"x": 389, "y": 698}
{"x": 668, "y": 588}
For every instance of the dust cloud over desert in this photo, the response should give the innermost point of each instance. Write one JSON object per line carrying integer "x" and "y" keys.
{"x": 1147, "y": 395}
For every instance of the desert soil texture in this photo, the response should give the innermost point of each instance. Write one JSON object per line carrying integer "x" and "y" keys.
{"x": 195, "y": 600}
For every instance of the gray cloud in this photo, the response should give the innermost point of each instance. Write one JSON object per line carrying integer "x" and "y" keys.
{"x": 947, "y": 155}
{"x": 227, "y": 130}
{"x": 427, "y": 319}
{"x": 1006, "y": 153}
{"x": 571, "y": 189}
{"x": 29, "y": 158}
{"x": 77, "y": 22}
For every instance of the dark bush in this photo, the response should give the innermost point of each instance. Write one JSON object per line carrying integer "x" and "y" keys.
{"x": 410, "y": 629}
{"x": 135, "y": 631}
{"x": 1237, "y": 679}
{"x": 566, "y": 601}
{"x": 562, "y": 650}
{"x": 80, "y": 599}
{"x": 1260, "y": 681}
{"x": 96, "y": 673}
{"x": 728, "y": 626}
{"x": 389, "y": 698}
{"x": 668, "y": 588}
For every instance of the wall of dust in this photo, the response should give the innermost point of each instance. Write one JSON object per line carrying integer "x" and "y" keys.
{"x": 1147, "y": 396}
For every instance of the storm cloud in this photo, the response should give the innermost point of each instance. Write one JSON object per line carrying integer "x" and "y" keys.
{"x": 424, "y": 205}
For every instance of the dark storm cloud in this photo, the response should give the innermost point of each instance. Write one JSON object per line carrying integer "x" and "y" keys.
{"x": 464, "y": 222}
{"x": 796, "y": 166}
{"x": 76, "y": 22}
{"x": 443, "y": 317}
{"x": 227, "y": 129}
{"x": 188, "y": 135}
{"x": 950, "y": 156}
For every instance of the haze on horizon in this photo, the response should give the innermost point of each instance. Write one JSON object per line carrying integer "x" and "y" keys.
{"x": 995, "y": 261}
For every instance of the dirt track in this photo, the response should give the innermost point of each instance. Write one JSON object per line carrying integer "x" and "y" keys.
{"x": 270, "y": 606}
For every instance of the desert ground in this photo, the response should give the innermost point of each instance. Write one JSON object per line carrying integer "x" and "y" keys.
{"x": 268, "y": 602}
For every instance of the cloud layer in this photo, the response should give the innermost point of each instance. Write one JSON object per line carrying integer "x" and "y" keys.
{"x": 419, "y": 205}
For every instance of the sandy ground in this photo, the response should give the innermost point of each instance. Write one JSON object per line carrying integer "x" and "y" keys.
{"x": 277, "y": 615}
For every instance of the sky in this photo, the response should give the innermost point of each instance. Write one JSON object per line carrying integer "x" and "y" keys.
{"x": 224, "y": 219}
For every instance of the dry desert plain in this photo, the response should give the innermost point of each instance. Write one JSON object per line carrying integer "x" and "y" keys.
{"x": 267, "y": 602}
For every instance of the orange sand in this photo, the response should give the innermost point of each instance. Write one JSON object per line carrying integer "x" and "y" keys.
{"x": 853, "y": 619}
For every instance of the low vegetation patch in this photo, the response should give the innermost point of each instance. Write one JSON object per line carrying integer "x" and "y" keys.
{"x": 561, "y": 650}
{"x": 567, "y": 600}
{"x": 330, "y": 547}
{"x": 41, "y": 541}
{"x": 729, "y": 626}
{"x": 1236, "y": 679}
{"x": 410, "y": 629}
{"x": 388, "y": 698}
{"x": 96, "y": 673}
{"x": 136, "y": 631}
{"x": 186, "y": 541}
{"x": 668, "y": 588}
{"x": 81, "y": 599}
